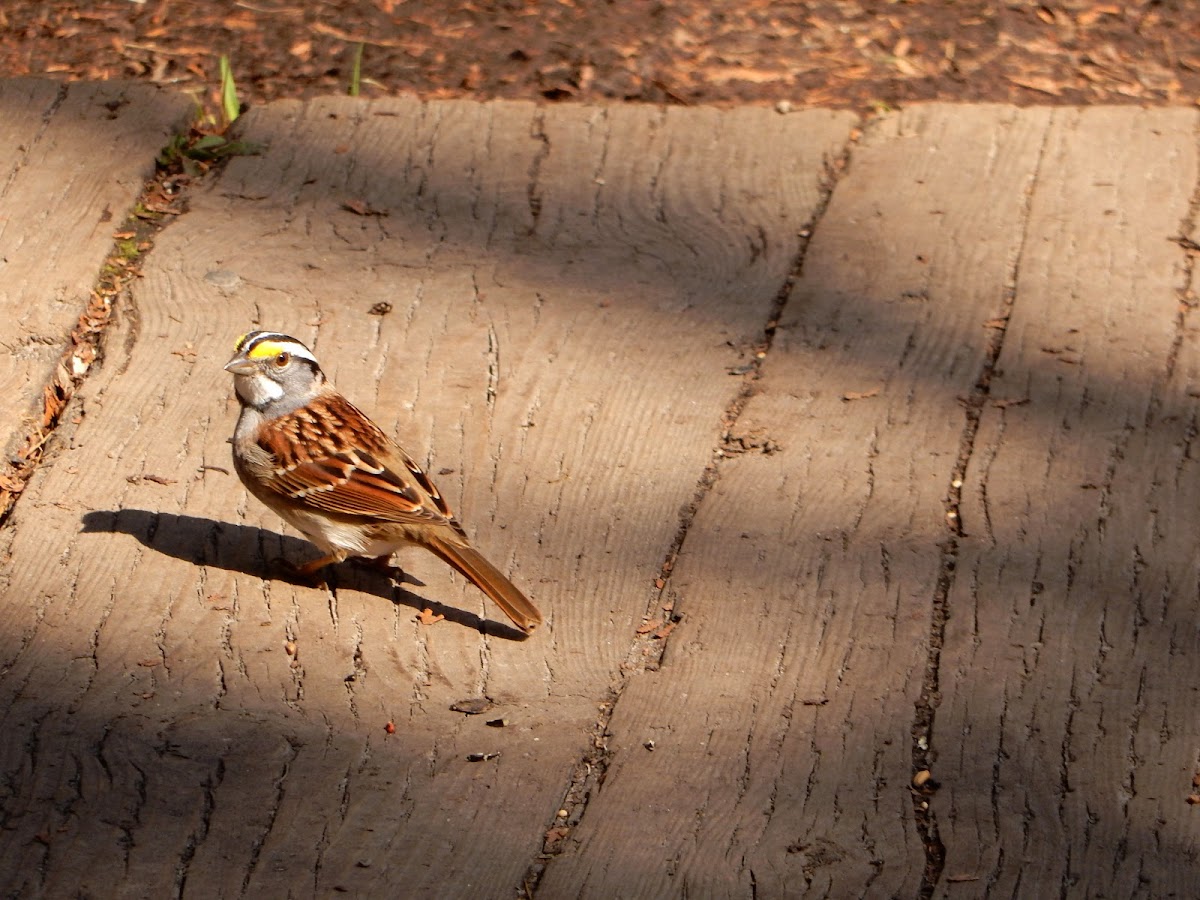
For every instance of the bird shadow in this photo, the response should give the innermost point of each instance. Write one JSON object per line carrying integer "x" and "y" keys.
{"x": 268, "y": 555}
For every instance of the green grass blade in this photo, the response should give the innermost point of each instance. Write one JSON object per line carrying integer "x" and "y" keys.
{"x": 356, "y": 71}
{"x": 229, "y": 98}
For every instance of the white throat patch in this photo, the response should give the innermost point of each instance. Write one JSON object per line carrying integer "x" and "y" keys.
{"x": 257, "y": 390}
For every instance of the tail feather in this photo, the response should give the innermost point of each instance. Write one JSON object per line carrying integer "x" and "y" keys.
{"x": 472, "y": 564}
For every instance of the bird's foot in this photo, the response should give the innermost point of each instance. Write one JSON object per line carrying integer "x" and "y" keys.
{"x": 310, "y": 573}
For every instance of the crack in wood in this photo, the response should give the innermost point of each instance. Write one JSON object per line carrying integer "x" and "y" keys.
{"x": 925, "y": 712}
{"x": 26, "y": 151}
{"x": 649, "y": 645}
{"x": 272, "y": 814}
{"x": 533, "y": 192}
{"x": 208, "y": 808}
{"x": 83, "y": 348}
{"x": 360, "y": 670}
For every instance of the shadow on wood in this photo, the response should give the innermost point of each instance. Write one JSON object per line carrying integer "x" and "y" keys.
{"x": 207, "y": 542}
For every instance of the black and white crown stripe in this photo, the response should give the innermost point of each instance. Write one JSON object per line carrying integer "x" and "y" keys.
{"x": 276, "y": 341}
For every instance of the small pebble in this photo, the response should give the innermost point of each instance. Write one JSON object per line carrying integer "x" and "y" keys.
{"x": 223, "y": 279}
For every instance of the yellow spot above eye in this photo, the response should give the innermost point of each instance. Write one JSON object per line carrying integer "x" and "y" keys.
{"x": 237, "y": 347}
{"x": 268, "y": 350}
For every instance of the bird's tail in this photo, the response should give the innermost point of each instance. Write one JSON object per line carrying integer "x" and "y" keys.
{"x": 471, "y": 563}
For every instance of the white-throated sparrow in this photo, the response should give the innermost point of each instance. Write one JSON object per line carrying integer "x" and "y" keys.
{"x": 312, "y": 457}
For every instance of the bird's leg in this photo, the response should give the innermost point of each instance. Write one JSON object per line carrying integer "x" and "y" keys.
{"x": 313, "y": 566}
{"x": 387, "y": 564}
{"x": 310, "y": 572}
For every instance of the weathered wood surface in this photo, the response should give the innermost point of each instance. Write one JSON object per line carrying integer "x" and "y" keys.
{"x": 981, "y": 295}
{"x": 75, "y": 158}
{"x": 569, "y": 293}
{"x": 782, "y": 763}
{"x": 1068, "y": 737}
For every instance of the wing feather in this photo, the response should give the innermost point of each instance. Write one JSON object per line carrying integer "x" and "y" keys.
{"x": 317, "y": 464}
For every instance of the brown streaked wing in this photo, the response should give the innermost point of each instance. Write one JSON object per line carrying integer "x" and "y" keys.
{"x": 317, "y": 466}
{"x": 335, "y": 484}
{"x": 422, "y": 479}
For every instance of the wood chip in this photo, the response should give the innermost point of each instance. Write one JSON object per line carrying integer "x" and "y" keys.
{"x": 472, "y": 706}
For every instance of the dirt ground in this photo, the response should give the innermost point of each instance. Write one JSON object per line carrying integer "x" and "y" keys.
{"x": 860, "y": 54}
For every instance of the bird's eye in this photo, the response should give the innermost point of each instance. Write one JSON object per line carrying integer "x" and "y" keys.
{"x": 283, "y": 359}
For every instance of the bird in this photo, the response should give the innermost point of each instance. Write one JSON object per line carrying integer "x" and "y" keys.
{"x": 324, "y": 467}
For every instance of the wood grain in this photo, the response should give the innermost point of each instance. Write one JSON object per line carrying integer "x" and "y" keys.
{"x": 1068, "y": 737}
{"x": 568, "y": 290}
{"x": 782, "y": 715}
{"x": 75, "y": 159}
{"x": 545, "y": 306}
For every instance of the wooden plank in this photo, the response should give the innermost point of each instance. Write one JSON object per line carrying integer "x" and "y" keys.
{"x": 1068, "y": 737}
{"x": 782, "y": 715}
{"x": 76, "y": 157}
{"x": 562, "y": 325}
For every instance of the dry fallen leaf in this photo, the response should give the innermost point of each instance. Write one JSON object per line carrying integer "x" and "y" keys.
{"x": 362, "y": 208}
{"x": 428, "y": 617}
{"x": 663, "y": 632}
{"x": 1038, "y": 83}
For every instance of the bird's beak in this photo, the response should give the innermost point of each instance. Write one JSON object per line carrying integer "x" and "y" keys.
{"x": 239, "y": 365}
